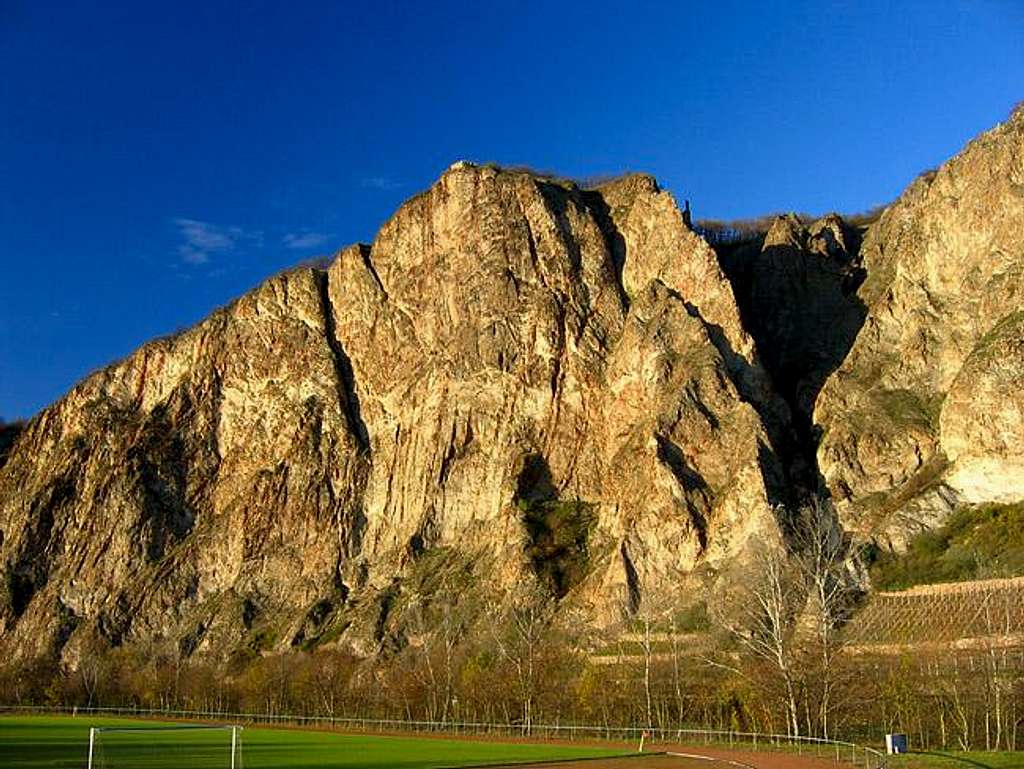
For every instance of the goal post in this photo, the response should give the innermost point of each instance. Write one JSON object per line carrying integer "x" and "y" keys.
{"x": 198, "y": 746}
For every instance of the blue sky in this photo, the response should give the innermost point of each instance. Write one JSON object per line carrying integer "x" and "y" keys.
{"x": 157, "y": 160}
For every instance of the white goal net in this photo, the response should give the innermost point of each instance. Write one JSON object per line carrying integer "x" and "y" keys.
{"x": 165, "y": 747}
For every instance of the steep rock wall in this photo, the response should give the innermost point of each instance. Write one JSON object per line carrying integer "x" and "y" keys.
{"x": 275, "y": 475}
{"x": 921, "y": 415}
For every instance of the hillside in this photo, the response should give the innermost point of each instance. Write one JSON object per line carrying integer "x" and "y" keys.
{"x": 522, "y": 386}
{"x": 294, "y": 467}
{"x": 982, "y": 542}
{"x": 924, "y": 413}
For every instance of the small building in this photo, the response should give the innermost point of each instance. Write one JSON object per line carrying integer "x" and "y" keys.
{"x": 895, "y": 743}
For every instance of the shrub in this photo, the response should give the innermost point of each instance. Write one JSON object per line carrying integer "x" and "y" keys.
{"x": 981, "y": 542}
{"x": 558, "y": 538}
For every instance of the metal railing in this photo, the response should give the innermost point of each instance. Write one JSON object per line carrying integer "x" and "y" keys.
{"x": 840, "y": 752}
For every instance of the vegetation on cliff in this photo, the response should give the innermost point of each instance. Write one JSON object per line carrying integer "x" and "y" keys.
{"x": 982, "y": 542}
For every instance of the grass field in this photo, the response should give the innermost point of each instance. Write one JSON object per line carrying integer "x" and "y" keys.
{"x": 61, "y": 742}
{"x": 955, "y": 760}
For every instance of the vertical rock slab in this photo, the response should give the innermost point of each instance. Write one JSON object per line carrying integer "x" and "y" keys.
{"x": 918, "y": 417}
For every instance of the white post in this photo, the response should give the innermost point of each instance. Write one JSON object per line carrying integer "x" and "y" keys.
{"x": 92, "y": 740}
{"x": 234, "y": 740}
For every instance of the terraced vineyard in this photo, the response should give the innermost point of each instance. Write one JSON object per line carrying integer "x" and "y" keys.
{"x": 964, "y": 614}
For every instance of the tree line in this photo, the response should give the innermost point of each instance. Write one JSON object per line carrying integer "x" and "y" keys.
{"x": 772, "y": 658}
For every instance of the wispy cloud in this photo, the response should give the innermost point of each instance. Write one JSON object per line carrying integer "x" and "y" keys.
{"x": 383, "y": 183}
{"x": 303, "y": 240}
{"x": 202, "y": 240}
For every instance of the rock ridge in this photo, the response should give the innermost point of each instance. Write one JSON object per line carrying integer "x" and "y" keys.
{"x": 516, "y": 361}
{"x": 277, "y": 473}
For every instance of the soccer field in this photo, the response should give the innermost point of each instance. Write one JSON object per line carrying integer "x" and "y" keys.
{"x": 35, "y": 742}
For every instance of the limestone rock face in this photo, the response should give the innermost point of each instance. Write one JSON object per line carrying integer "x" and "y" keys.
{"x": 205, "y": 470}
{"x": 650, "y": 227}
{"x": 982, "y": 418}
{"x": 512, "y": 354}
{"x": 923, "y": 413}
{"x": 278, "y": 474}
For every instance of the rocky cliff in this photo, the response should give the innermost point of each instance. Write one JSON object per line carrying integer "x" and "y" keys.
{"x": 796, "y": 290}
{"x": 924, "y": 413}
{"x": 284, "y": 472}
{"x": 522, "y": 382}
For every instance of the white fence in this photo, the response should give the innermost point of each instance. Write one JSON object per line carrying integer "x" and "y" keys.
{"x": 841, "y": 753}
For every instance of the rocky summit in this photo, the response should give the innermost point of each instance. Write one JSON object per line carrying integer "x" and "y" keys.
{"x": 925, "y": 412}
{"x": 523, "y": 382}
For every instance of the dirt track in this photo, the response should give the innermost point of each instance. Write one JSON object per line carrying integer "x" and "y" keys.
{"x": 758, "y": 759}
{"x": 640, "y": 761}
{"x": 686, "y": 757}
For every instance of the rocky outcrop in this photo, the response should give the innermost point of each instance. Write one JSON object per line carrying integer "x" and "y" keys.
{"x": 982, "y": 417}
{"x": 522, "y": 382}
{"x": 923, "y": 414}
{"x": 208, "y": 478}
{"x": 283, "y": 472}
{"x": 796, "y": 289}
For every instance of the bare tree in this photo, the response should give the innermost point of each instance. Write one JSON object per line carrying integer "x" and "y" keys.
{"x": 820, "y": 558}
{"x": 330, "y": 671}
{"x": 519, "y": 632}
{"x": 790, "y": 615}
{"x": 646, "y": 618}
{"x": 439, "y": 630}
{"x": 650, "y": 613}
{"x": 996, "y": 618}
{"x": 91, "y": 667}
{"x": 761, "y": 619}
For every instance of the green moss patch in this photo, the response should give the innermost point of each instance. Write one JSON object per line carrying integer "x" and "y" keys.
{"x": 559, "y": 534}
